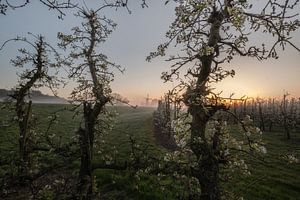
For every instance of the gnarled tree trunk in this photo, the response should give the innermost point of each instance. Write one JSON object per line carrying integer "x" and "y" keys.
{"x": 207, "y": 171}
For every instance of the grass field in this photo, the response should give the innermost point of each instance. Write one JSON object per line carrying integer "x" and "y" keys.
{"x": 273, "y": 179}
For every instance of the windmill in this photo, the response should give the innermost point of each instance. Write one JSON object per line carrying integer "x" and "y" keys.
{"x": 147, "y": 100}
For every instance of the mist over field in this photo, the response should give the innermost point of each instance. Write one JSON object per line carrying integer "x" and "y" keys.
{"x": 35, "y": 97}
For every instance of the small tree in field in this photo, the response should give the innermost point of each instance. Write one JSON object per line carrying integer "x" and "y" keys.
{"x": 211, "y": 33}
{"x": 38, "y": 72}
{"x": 93, "y": 72}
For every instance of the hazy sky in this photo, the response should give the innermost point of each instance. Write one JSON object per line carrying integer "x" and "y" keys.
{"x": 136, "y": 35}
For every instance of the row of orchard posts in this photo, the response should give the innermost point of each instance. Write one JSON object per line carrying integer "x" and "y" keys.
{"x": 269, "y": 114}
{"x": 168, "y": 109}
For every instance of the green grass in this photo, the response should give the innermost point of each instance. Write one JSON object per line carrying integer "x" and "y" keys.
{"x": 274, "y": 179}
{"x": 136, "y": 123}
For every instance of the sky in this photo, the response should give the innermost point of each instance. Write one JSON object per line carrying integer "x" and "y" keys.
{"x": 136, "y": 35}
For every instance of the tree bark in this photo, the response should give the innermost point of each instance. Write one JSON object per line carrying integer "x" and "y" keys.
{"x": 23, "y": 114}
{"x": 207, "y": 171}
{"x": 208, "y": 167}
{"x": 86, "y": 137}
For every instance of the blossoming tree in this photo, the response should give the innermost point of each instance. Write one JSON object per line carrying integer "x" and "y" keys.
{"x": 210, "y": 33}
{"x": 39, "y": 62}
{"x": 93, "y": 73}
